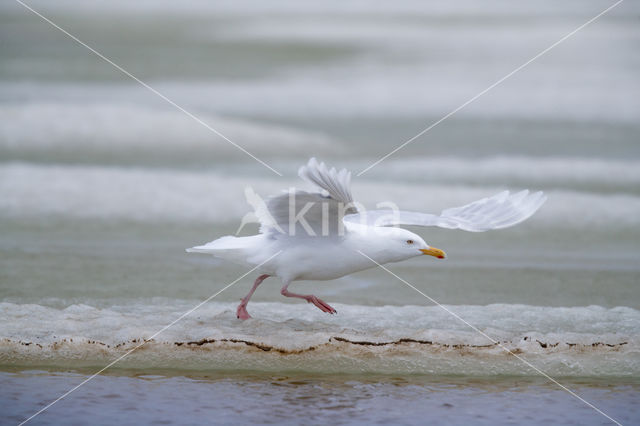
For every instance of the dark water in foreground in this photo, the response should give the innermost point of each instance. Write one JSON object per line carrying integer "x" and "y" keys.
{"x": 241, "y": 398}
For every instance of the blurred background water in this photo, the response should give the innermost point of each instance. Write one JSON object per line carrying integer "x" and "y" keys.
{"x": 103, "y": 184}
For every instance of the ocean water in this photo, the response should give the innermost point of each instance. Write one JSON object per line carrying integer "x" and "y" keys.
{"x": 103, "y": 185}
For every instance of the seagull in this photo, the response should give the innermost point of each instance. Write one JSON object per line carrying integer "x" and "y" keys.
{"x": 324, "y": 234}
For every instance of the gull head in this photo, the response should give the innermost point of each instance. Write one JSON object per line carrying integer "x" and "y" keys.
{"x": 396, "y": 244}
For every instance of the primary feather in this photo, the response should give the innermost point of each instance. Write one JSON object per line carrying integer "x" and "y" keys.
{"x": 500, "y": 211}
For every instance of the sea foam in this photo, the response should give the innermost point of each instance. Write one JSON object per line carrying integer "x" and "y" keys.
{"x": 579, "y": 341}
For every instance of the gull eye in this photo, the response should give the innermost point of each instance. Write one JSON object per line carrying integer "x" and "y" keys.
{"x": 409, "y": 241}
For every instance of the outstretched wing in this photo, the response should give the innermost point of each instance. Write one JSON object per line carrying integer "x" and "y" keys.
{"x": 500, "y": 211}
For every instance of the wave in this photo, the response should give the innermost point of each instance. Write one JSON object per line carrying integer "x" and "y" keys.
{"x": 579, "y": 341}
{"x": 363, "y": 94}
{"x": 58, "y": 130}
{"x": 383, "y": 63}
{"x": 411, "y": 7}
{"x": 542, "y": 172}
{"x": 167, "y": 195}
{"x": 336, "y": 93}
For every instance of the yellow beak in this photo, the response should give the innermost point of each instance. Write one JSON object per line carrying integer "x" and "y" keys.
{"x": 432, "y": 251}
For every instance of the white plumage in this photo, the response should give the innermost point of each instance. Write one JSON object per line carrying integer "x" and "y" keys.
{"x": 500, "y": 211}
{"x": 324, "y": 235}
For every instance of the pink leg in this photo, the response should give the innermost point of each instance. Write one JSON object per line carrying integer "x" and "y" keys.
{"x": 241, "y": 312}
{"x": 320, "y": 304}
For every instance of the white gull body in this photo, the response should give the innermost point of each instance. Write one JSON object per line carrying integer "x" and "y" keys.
{"x": 323, "y": 235}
